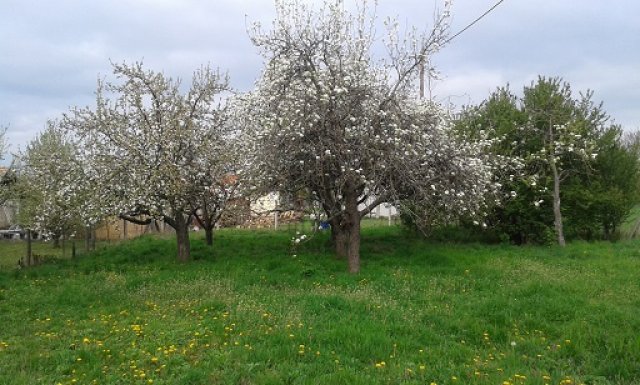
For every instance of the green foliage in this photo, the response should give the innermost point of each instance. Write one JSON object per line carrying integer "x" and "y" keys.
{"x": 549, "y": 127}
{"x": 250, "y": 312}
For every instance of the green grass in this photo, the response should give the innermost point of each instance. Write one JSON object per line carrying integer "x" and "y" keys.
{"x": 255, "y": 311}
{"x": 12, "y": 250}
{"x": 629, "y": 228}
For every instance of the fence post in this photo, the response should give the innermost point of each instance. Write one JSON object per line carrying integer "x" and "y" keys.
{"x": 29, "y": 250}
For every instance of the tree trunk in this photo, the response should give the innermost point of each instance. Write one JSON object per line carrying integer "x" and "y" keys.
{"x": 339, "y": 239}
{"x": 352, "y": 225}
{"x": 182, "y": 235}
{"x": 353, "y": 249}
{"x": 557, "y": 214}
{"x": 208, "y": 234}
{"x": 87, "y": 238}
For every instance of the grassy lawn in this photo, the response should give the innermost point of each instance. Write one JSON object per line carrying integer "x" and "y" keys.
{"x": 12, "y": 250}
{"x": 255, "y": 311}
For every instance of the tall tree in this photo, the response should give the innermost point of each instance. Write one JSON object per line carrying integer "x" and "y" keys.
{"x": 566, "y": 129}
{"x": 558, "y": 136}
{"x": 326, "y": 118}
{"x": 151, "y": 146}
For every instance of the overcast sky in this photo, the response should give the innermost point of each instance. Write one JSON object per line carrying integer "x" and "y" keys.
{"x": 52, "y": 52}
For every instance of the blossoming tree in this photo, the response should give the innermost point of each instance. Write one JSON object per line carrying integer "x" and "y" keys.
{"x": 52, "y": 186}
{"x": 2, "y": 150}
{"x": 328, "y": 118}
{"x": 153, "y": 148}
{"x": 2, "y": 144}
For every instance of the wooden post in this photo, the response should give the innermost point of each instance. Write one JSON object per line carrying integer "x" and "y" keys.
{"x": 276, "y": 217}
{"x": 73, "y": 249}
{"x": 29, "y": 249}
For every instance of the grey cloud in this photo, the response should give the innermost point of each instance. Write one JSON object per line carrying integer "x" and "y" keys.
{"x": 53, "y": 52}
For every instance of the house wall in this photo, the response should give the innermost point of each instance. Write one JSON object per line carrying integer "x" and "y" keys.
{"x": 119, "y": 229}
{"x": 266, "y": 203}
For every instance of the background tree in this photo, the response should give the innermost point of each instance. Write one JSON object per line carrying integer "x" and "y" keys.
{"x": 600, "y": 201}
{"x": 4, "y": 178}
{"x": 221, "y": 188}
{"x": 325, "y": 118}
{"x": 47, "y": 185}
{"x": 149, "y": 145}
{"x": 557, "y": 136}
{"x": 3, "y": 132}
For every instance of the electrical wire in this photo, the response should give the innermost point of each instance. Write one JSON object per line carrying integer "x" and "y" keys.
{"x": 474, "y": 22}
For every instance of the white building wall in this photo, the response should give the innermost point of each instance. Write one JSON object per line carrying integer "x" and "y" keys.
{"x": 382, "y": 211}
{"x": 266, "y": 203}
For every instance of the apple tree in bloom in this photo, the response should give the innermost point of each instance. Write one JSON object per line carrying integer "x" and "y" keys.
{"x": 153, "y": 148}
{"x": 4, "y": 179}
{"x": 221, "y": 186}
{"x": 51, "y": 185}
{"x": 3, "y": 132}
{"x": 330, "y": 119}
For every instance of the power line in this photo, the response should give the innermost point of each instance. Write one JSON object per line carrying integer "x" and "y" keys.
{"x": 474, "y": 22}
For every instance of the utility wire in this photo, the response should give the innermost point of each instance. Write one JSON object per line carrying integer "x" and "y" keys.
{"x": 474, "y": 22}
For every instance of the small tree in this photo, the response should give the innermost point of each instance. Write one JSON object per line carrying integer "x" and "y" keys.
{"x": 6, "y": 179}
{"x": 149, "y": 145}
{"x": 325, "y": 118}
{"x": 3, "y": 132}
{"x": 208, "y": 210}
{"x": 2, "y": 150}
{"x": 48, "y": 184}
